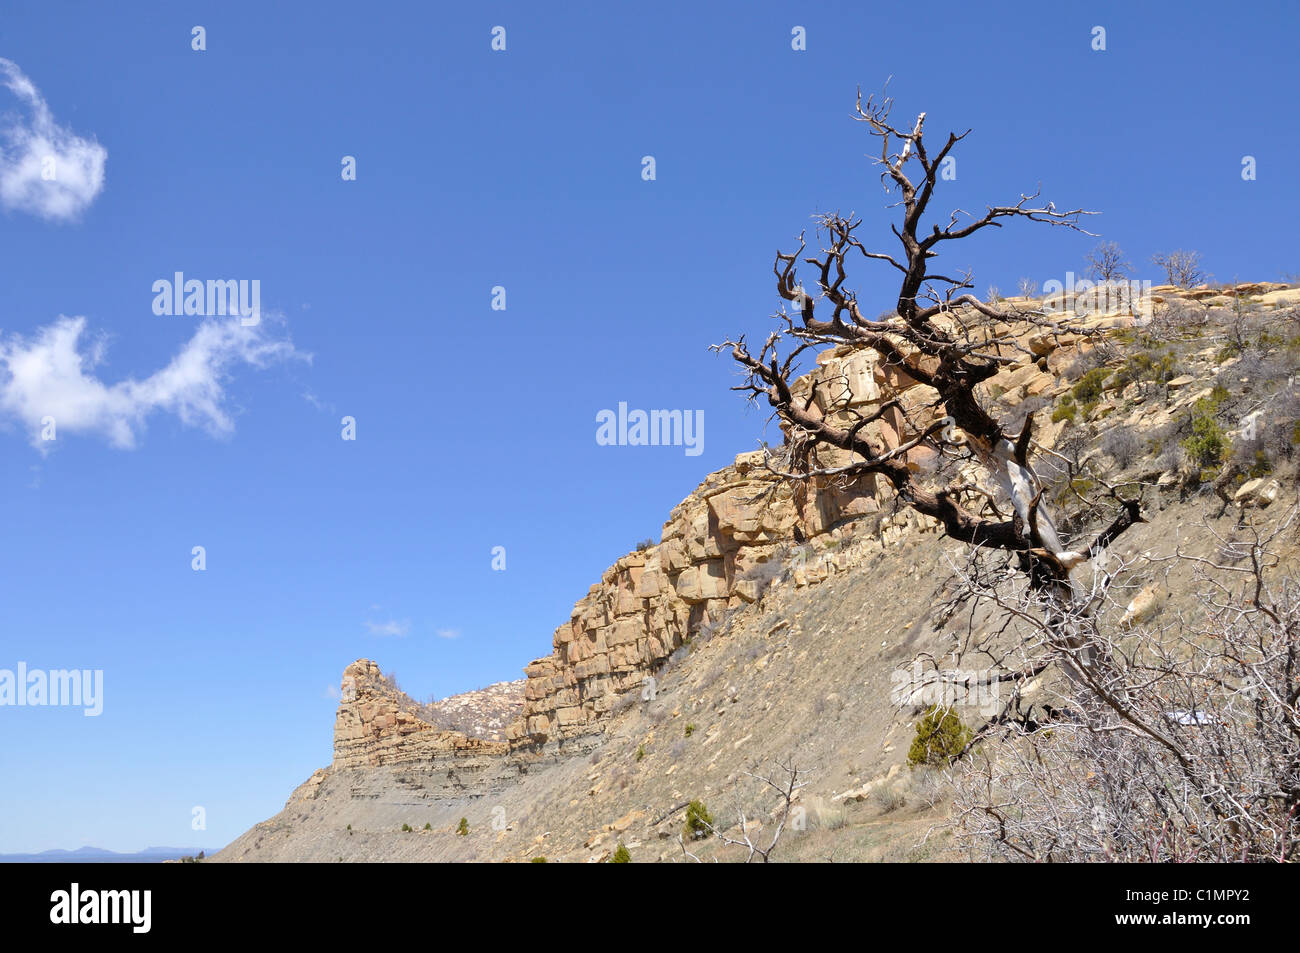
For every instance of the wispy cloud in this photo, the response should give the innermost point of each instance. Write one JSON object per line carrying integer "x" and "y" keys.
{"x": 50, "y": 375}
{"x": 45, "y": 169}
{"x": 311, "y": 398}
{"x": 449, "y": 633}
{"x": 393, "y": 627}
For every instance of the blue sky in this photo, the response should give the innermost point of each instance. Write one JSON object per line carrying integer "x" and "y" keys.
{"x": 475, "y": 428}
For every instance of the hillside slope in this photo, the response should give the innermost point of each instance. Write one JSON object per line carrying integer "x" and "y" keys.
{"x": 778, "y": 627}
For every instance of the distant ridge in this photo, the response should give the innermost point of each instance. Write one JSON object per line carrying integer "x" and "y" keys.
{"x": 100, "y": 855}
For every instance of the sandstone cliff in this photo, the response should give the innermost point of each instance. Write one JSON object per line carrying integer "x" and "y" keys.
{"x": 822, "y": 590}
{"x": 376, "y": 724}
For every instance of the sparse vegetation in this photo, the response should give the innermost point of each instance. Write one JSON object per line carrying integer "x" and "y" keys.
{"x": 1122, "y": 445}
{"x": 887, "y": 798}
{"x": 1207, "y": 445}
{"x": 699, "y": 822}
{"x": 621, "y": 855}
{"x": 1145, "y": 367}
{"x": 463, "y": 827}
{"x": 940, "y": 737}
{"x": 1088, "y": 389}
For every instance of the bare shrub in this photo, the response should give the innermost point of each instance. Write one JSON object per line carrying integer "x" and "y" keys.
{"x": 829, "y": 817}
{"x": 1177, "y": 319}
{"x": 785, "y": 781}
{"x": 1102, "y": 352}
{"x": 887, "y": 798}
{"x": 1182, "y": 268}
{"x": 1122, "y": 445}
{"x": 1106, "y": 262}
{"x": 1168, "y": 741}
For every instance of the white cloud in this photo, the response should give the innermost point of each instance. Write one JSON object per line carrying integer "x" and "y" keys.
{"x": 449, "y": 633}
{"x": 51, "y": 374}
{"x": 45, "y": 169}
{"x": 393, "y": 627}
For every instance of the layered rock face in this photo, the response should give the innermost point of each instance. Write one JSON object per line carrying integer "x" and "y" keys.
{"x": 378, "y": 725}
{"x": 717, "y": 543}
{"x": 712, "y": 555}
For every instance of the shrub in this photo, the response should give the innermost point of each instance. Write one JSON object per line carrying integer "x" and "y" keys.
{"x": 640, "y": 753}
{"x": 1260, "y": 466}
{"x": 621, "y": 855}
{"x": 538, "y": 860}
{"x": 1102, "y": 352}
{"x": 1065, "y": 411}
{"x": 428, "y": 826}
{"x": 888, "y": 799}
{"x": 1177, "y": 319}
{"x": 463, "y": 827}
{"x": 940, "y": 737}
{"x": 1144, "y": 367}
{"x": 1207, "y": 445}
{"x": 645, "y": 544}
{"x": 406, "y": 828}
{"x": 831, "y": 818}
{"x": 1122, "y": 445}
{"x": 690, "y": 730}
{"x": 1087, "y": 390}
{"x": 699, "y": 822}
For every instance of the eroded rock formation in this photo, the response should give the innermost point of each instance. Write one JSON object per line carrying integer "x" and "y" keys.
{"x": 377, "y": 725}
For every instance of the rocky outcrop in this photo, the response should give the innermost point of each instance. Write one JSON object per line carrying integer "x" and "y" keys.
{"x": 722, "y": 544}
{"x": 756, "y": 694}
{"x": 377, "y": 725}
{"x": 713, "y": 557}
{"x": 484, "y": 713}
{"x": 718, "y": 544}
{"x": 1257, "y": 492}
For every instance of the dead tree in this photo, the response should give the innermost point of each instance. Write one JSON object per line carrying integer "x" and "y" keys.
{"x": 1182, "y": 268}
{"x": 938, "y": 335}
{"x": 1106, "y": 262}
{"x": 787, "y": 787}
